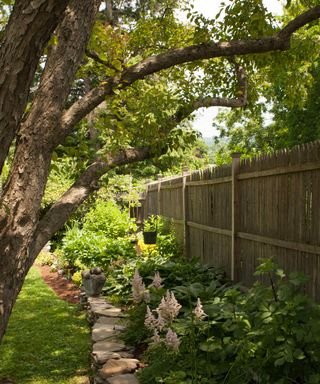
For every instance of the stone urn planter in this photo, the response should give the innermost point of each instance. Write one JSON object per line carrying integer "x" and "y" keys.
{"x": 93, "y": 281}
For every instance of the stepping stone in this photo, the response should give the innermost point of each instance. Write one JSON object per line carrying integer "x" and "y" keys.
{"x": 123, "y": 379}
{"x": 101, "y": 357}
{"x": 100, "y": 307}
{"x": 102, "y": 333}
{"x": 107, "y": 326}
{"x": 107, "y": 320}
{"x": 97, "y": 300}
{"x": 109, "y": 345}
{"x": 109, "y": 312}
{"x": 117, "y": 367}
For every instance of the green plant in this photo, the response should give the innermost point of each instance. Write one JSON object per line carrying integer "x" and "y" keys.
{"x": 77, "y": 278}
{"x": 46, "y": 258}
{"x": 107, "y": 219}
{"x": 87, "y": 248}
{"x": 271, "y": 334}
{"x": 152, "y": 224}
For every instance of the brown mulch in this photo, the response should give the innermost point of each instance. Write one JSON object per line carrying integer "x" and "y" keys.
{"x": 62, "y": 287}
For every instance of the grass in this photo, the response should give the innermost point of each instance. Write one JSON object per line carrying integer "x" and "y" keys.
{"x": 47, "y": 340}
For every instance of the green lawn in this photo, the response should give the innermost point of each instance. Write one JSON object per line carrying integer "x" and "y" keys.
{"x": 47, "y": 340}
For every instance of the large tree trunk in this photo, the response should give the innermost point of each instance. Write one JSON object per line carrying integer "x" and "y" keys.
{"x": 37, "y": 137}
{"x": 29, "y": 28}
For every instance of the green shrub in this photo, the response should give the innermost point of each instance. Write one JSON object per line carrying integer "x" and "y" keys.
{"x": 87, "y": 248}
{"x": 46, "y": 258}
{"x": 77, "y": 278}
{"x": 106, "y": 219}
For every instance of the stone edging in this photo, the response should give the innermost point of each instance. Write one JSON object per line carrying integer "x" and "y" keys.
{"x": 112, "y": 360}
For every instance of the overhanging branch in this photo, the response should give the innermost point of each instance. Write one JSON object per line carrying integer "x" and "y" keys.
{"x": 59, "y": 213}
{"x": 156, "y": 63}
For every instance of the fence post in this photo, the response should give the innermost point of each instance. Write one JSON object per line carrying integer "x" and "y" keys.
{"x": 184, "y": 211}
{"x": 235, "y": 212}
{"x": 146, "y": 202}
{"x": 159, "y": 194}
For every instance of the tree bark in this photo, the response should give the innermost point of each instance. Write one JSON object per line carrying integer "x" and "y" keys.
{"x": 36, "y": 139}
{"x": 29, "y": 28}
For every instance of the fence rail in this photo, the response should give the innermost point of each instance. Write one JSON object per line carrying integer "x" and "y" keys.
{"x": 231, "y": 216}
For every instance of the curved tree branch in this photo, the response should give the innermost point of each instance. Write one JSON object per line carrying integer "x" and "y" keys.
{"x": 156, "y": 63}
{"x": 79, "y": 192}
{"x": 207, "y": 102}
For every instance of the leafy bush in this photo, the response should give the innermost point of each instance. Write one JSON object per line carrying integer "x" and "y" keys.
{"x": 269, "y": 335}
{"x": 94, "y": 249}
{"x": 77, "y": 278}
{"x": 106, "y": 219}
{"x": 46, "y": 258}
{"x": 102, "y": 237}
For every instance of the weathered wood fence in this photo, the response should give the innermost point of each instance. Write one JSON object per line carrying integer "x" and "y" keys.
{"x": 231, "y": 216}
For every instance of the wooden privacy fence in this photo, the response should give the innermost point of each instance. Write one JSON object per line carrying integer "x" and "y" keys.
{"x": 231, "y": 216}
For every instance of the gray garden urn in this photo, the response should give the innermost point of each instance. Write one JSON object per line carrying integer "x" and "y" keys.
{"x": 93, "y": 281}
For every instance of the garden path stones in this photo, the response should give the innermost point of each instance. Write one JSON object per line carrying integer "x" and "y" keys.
{"x": 107, "y": 320}
{"x": 113, "y": 345}
{"x": 109, "y": 312}
{"x": 104, "y": 331}
{"x": 113, "y": 361}
{"x": 118, "y": 367}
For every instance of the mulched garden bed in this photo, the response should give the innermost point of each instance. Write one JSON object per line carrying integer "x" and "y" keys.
{"x": 60, "y": 284}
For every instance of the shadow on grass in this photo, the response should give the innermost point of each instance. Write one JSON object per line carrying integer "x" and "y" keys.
{"x": 47, "y": 340}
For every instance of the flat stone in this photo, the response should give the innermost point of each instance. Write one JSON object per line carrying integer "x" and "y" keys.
{"x": 101, "y": 357}
{"x": 99, "y": 334}
{"x": 100, "y": 307}
{"x": 118, "y": 367}
{"x": 123, "y": 379}
{"x": 109, "y": 345}
{"x": 107, "y": 320}
{"x": 109, "y": 312}
{"x": 107, "y": 326}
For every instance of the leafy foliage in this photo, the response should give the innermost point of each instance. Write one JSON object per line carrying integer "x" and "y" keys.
{"x": 102, "y": 238}
{"x": 266, "y": 335}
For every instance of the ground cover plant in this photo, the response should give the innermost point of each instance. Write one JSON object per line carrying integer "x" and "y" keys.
{"x": 47, "y": 341}
{"x": 208, "y": 331}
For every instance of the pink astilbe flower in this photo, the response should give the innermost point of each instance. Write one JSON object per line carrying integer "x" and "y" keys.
{"x": 160, "y": 322}
{"x": 157, "y": 281}
{"x": 199, "y": 312}
{"x": 139, "y": 292}
{"x": 155, "y": 338}
{"x": 172, "y": 340}
{"x": 150, "y": 320}
{"x": 146, "y": 296}
{"x": 169, "y": 307}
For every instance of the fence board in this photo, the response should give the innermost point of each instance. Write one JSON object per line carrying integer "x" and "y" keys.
{"x": 278, "y": 213}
